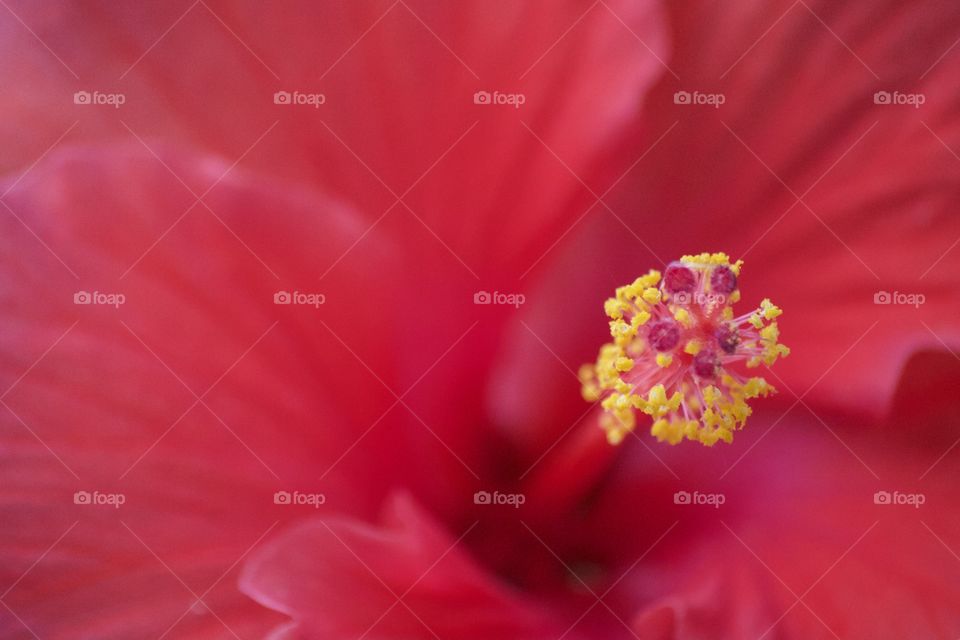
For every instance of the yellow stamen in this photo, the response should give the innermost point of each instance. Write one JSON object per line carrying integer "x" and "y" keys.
{"x": 686, "y": 396}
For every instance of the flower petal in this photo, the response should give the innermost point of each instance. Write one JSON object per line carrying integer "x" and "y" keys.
{"x": 825, "y": 528}
{"x": 398, "y": 81}
{"x": 178, "y": 411}
{"x": 406, "y": 578}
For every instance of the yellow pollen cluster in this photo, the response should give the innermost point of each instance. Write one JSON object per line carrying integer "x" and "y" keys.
{"x": 675, "y": 340}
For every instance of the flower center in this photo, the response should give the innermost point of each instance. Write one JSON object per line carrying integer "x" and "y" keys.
{"x": 692, "y": 393}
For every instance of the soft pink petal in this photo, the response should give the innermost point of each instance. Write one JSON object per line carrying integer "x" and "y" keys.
{"x": 406, "y": 578}
{"x": 399, "y": 80}
{"x": 102, "y": 399}
{"x": 799, "y": 514}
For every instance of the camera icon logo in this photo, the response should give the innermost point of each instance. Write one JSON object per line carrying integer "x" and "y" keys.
{"x": 81, "y": 497}
{"x": 882, "y": 497}
{"x": 681, "y": 97}
{"x": 882, "y": 97}
{"x": 482, "y": 297}
{"x": 282, "y": 297}
{"x": 282, "y": 497}
{"x": 81, "y": 97}
{"x": 882, "y": 297}
{"x": 482, "y": 497}
{"x": 681, "y": 497}
{"x": 82, "y": 297}
{"x": 282, "y": 97}
{"x": 683, "y": 297}
{"x": 481, "y": 97}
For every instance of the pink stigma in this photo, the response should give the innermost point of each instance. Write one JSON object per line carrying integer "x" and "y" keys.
{"x": 705, "y": 364}
{"x": 663, "y": 335}
{"x": 679, "y": 279}
{"x": 723, "y": 280}
{"x": 728, "y": 338}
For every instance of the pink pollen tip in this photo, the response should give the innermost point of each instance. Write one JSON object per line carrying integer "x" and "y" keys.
{"x": 705, "y": 364}
{"x": 728, "y": 338}
{"x": 679, "y": 279}
{"x": 663, "y": 335}
{"x": 723, "y": 280}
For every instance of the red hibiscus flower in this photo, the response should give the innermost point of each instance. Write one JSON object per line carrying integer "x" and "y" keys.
{"x": 295, "y": 300}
